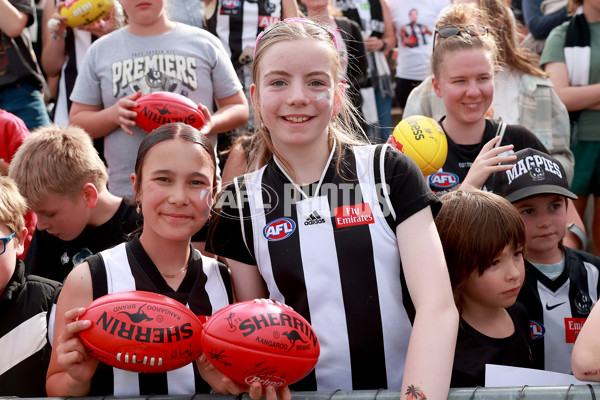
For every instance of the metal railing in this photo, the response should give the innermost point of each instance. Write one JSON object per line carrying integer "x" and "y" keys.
{"x": 573, "y": 392}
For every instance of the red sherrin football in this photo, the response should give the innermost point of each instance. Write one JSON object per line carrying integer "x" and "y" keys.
{"x": 142, "y": 332}
{"x": 159, "y": 108}
{"x": 260, "y": 341}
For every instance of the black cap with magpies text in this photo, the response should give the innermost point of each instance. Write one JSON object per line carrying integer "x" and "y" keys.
{"x": 534, "y": 173}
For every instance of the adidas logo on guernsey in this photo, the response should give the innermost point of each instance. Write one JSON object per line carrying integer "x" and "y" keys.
{"x": 314, "y": 218}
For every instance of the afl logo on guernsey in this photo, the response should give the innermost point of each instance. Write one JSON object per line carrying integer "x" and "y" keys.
{"x": 537, "y": 330}
{"x": 279, "y": 229}
{"x": 230, "y": 4}
{"x": 443, "y": 180}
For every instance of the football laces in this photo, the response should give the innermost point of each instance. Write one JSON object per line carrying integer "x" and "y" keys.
{"x": 152, "y": 362}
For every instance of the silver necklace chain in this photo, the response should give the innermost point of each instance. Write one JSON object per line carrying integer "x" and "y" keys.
{"x": 175, "y": 274}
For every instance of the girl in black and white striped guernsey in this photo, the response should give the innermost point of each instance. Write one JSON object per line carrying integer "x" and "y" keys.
{"x": 173, "y": 184}
{"x": 340, "y": 230}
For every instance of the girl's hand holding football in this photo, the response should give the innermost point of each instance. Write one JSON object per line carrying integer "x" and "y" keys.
{"x": 219, "y": 382}
{"x": 208, "y": 124}
{"x": 104, "y": 25}
{"x": 222, "y": 384}
{"x": 258, "y": 391}
{"x": 72, "y": 355}
{"x": 122, "y": 114}
{"x": 56, "y": 24}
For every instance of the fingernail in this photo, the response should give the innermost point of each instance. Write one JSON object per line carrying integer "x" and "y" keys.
{"x": 53, "y": 36}
{"x": 86, "y": 323}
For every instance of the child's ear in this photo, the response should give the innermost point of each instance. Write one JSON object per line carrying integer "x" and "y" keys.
{"x": 20, "y": 241}
{"x": 252, "y": 90}
{"x": 337, "y": 98}
{"x": 254, "y": 99}
{"x": 253, "y": 96}
{"x": 436, "y": 87}
{"x": 90, "y": 195}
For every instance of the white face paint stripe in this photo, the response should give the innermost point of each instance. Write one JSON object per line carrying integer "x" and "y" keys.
{"x": 203, "y": 194}
{"x": 22, "y": 342}
{"x": 323, "y": 95}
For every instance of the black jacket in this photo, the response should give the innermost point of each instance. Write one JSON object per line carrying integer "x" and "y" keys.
{"x": 357, "y": 74}
{"x": 25, "y": 352}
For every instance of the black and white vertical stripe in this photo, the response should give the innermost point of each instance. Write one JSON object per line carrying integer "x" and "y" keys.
{"x": 345, "y": 281}
{"x": 123, "y": 272}
{"x": 578, "y": 51}
{"x": 77, "y": 44}
{"x": 239, "y": 29}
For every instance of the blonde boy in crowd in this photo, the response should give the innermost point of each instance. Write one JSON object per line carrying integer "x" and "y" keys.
{"x": 60, "y": 173}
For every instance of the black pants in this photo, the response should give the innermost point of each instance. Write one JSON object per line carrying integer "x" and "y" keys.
{"x": 403, "y": 89}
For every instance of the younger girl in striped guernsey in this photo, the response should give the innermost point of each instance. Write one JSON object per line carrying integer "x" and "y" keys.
{"x": 173, "y": 185}
{"x": 340, "y": 230}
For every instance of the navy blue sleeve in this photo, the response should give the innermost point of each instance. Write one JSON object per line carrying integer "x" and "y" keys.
{"x": 539, "y": 24}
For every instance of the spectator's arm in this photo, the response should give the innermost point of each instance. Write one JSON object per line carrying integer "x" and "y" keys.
{"x": 53, "y": 49}
{"x": 247, "y": 282}
{"x": 98, "y": 121}
{"x": 539, "y": 24}
{"x": 389, "y": 35}
{"x": 95, "y": 120}
{"x": 575, "y": 98}
{"x": 430, "y": 355}
{"x": 232, "y": 112}
{"x": 584, "y": 358}
{"x": 289, "y": 9}
{"x": 12, "y": 21}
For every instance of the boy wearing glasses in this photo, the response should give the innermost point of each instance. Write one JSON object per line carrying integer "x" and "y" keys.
{"x": 24, "y": 305}
{"x": 59, "y": 172}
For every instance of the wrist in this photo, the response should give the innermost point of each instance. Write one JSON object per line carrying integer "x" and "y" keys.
{"x": 384, "y": 47}
{"x": 54, "y": 25}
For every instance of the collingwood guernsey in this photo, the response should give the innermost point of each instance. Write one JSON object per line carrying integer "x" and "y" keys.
{"x": 205, "y": 290}
{"x": 558, "y": 308}
{"x": 330, "y": 251}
